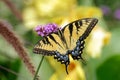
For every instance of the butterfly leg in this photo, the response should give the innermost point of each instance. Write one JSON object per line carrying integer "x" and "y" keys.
{"x": 64, "y": 59}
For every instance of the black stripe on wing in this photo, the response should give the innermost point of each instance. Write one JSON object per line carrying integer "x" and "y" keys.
{"x": 70, "y": 29}
{"x": 77, "y": 25}
{"x": 52, "y": 38}
{"x": 43, "y": 52}
{"x": 90, "y": 27}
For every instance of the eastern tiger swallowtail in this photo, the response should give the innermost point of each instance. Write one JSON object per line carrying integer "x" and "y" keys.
{"x": 67, "y": 41}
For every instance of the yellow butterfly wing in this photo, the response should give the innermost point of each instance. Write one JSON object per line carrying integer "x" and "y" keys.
{"x": 49, "y": 44}
{"x": 80, "y": 28}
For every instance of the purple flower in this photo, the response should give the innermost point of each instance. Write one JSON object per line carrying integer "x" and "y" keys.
{"x": 105, "y": 9}
{"x": 44, "y": 30}
{"x": 117, "y": 14}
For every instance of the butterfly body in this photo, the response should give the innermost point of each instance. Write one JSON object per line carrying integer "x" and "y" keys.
{"x": 67, "y": 41}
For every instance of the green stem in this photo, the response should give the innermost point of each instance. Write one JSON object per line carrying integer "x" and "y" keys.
{"x": 35, "y": 77}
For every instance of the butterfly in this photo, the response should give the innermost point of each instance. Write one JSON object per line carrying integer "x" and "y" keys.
{"x": 68, "y": 41}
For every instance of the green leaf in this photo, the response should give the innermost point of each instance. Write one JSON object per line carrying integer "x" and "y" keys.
{"x": 10, "y": 69}
{"x": 110, "y": 69}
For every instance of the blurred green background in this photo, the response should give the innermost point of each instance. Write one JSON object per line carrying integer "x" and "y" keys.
{"x": 103, "y": 58}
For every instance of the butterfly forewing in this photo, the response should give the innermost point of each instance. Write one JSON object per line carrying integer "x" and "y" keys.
{"x": 73, "y": 31}
{"x": 50, "y": 43}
